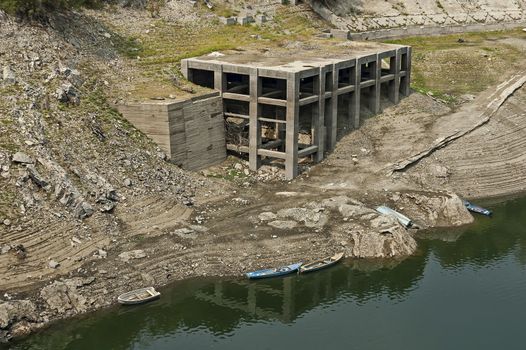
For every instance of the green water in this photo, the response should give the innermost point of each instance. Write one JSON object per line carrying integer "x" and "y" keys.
{"x": 468, "y": 293}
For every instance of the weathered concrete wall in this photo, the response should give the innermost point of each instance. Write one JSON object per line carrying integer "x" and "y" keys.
{"x": 421, "y": 15}
{"x": 191, "y": 131}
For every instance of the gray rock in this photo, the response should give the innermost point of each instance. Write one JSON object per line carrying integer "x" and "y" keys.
{"x": 9, "y": 75}
{"x": 16, "y": 310}
{"x": 20, "y": 157}
{"x": 35, "y": 176}
{"x": 185, "y": 233}
{"x": 283, "y": 224}
{"x": 102, "y": 253}
{"x": 67, "y": 93}
{"x": 267, "y": 216}
{"x": 131, "y": 255}
{"x": 64, "y": 298}
{"x": 349, "y": 210}
{"x": 311, "y": 217}
{"x": 127, "y": 182}
{"x": 7, "y": 222}
{"x": 53, "y": 264}
{"x": 84, "y": 210}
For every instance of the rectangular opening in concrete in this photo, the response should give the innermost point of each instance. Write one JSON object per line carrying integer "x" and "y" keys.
{"x": 236, "y": 108}
{"x": 368, "y": 71}
{"x": 202, "y": 77}
{"x": 344, "y": 121}
{"x": 237, "y": 83}
{"x": 328, "y": 81}
{"x": 388, "y": 65}
{"x": 387, "y": 93}
{"x": 274, "y": 88}
{"x": 344, "y": 77}
{"x": 306, "y": 131}
{"x": 307, "y": 87}
{"x": 367, "y": 100}
{"x": 237, "y": 132}
{"x": 403, "y": 85}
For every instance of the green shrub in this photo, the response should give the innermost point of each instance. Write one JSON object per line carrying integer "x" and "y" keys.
{"x": 41, "y": 9}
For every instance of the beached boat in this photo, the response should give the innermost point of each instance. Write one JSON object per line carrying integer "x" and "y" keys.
{"x": 280, "y": 271}
{"x": 476, "y": 209}
{"x": 321, "y": 264}
{"x": 402, "y": 219}
{"x": 139, "y": 296}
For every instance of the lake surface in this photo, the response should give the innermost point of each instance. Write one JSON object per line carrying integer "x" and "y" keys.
{"x": 468, "y": 292}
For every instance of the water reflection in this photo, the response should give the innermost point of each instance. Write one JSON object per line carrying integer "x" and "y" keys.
{"x": 222, "y": 308}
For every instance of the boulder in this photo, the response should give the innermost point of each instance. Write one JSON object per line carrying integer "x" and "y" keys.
{"x": 133, "y": 254}
{"x": 16, "y": 310}
{"x": 63, "y": 296}
{"x": 22, "y": 158}
{"x": 267, "y": 216}
{"x": 283, "y": 225}
{"x": 8, "y": 75}
{"x": 310, "y": 217}
{"x": 67, "y": 93}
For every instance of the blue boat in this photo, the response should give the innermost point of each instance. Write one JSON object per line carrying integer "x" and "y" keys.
{"x": 476, "y": 209}
{"x": 280, "y": 271}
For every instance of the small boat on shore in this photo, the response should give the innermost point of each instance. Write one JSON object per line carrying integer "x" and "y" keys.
{"x": 402, "y": 219}
{"x": 476, "y": 209}
{"x": 138, "y": 296}
{"x": 321, "y": 264}
{"x": 279, "y": 271}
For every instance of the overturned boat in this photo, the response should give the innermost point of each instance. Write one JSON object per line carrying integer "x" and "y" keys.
{"x": 476, "y": 209}
{"x": 279, "y": 271}
{"x": 402, "y": 219}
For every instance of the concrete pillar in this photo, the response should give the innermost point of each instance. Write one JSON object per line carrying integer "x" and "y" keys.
{"x": 405, "y": 84}
{"x": 219, "y": 81}
{"x": 318, "y": 113}
{"x": 377, "y": 88}
{"x": 394, "y": 85}
{"x": 355, "y": 97}
{"x": 332, "y": 130}
{"x": 254, "y": 132}
{"x": 291, "y": 140}
{"x": 184, "y": 69}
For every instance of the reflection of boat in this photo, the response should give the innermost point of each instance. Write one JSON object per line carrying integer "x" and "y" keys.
{"x": 138, "y": 296}
{"x": 402, "y": 219}
{"x": 476, "y": 209}
{"x": 321, "y": 264}
{"x": 280, "y": 271}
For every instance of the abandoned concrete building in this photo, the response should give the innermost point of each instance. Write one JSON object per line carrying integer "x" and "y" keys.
{"x": 282, "y": 105}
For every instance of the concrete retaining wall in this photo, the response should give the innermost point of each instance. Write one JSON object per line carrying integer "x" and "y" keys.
{"x": 190, "y": 131}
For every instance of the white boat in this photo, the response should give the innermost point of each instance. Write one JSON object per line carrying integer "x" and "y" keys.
{"x": 402, "y": 219}
{"x": 138, "y": 296}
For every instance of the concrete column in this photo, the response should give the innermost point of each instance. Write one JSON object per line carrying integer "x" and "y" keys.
{"x": 184, "y": 69}
{"x": 318, "y": 113}
{"x": 394, "y": 85}
{"x": 377, "y": 88}
{"x": 254, "y": 133}
{"x": 332, "y": 130}
{"x": 291, "y": 140}
{"x": 405, "y": 84}
{"x": 355, "y": 97}
{"x": 219, "y": 81}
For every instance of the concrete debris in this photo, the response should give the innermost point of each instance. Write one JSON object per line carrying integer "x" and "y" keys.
{"x": 9, "y": 75}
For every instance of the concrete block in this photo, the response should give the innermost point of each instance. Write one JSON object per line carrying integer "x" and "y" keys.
{"x": 341, "y": 34}
{"x": 229, "y": 21}
{"x": 245, "y": 20}
{"x": 260, "y": 19}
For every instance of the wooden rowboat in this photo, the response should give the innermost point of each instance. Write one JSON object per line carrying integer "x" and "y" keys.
{"x": 321, "y": 264}
{"x": 138, "y": 296}
{"x": 279, "y": 271}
